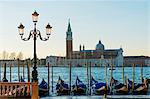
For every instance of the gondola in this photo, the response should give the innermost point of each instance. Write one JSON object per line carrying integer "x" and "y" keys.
{"x": 119, "y": 88}
{"x": 61, "y": 87}
{"x": 43, "y": 89}
{"x": 22, "y": 79}
{"x": 139, "y": 89}
{"x": 99, "y": 88}
{"x": 111, "y": 69}
{"x": 79, "y": 88}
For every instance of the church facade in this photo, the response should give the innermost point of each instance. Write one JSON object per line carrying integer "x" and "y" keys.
{"x": 97, "y": 57}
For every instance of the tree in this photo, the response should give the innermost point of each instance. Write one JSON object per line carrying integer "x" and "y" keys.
{"x": 20, "y": 56}
{"x": 0, "y": 56}
{"x": 12, "y": 55}
{"x": 4, "y": 55}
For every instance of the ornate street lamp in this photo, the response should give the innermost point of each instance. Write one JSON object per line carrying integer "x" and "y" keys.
{"x": 34, "y": 34}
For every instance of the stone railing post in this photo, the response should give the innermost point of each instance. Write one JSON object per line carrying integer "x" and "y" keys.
{"x": 35, "y": 94}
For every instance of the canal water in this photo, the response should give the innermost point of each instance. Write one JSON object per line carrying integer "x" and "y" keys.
{"x": 99, "y": 73}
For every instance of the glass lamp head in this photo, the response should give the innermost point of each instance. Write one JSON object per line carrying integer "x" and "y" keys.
{"x": 48, "y": 29}
{"x": 21, "y": 29}
{"x": 35, "y": 16}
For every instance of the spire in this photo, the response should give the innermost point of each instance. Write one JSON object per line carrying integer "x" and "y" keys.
{"x": 69, "y": 26}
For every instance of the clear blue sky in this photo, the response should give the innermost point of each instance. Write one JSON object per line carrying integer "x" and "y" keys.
{"x": 117, "y": 23}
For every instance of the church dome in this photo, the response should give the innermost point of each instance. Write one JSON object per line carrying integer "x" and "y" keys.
{"x": 100, "y": 46}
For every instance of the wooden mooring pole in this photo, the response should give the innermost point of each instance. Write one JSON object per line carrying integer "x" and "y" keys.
{"x": 106, "y": 72}
{"x": 23, "y": 71}
{"x": 141, "y": 73}
{"x": 87, "y": 76}
{"x": 133, "y": 78}
{"x": 48, "y": 79}
{"x": 10, "y": 71}
{"x": 52, "y": 79}
{"x": 0, "y": 70}
{"x": 106, "y": 80}
{"x": 18, "y": 70}
{"x": 5, "y": 79}
{"x": 126, "y": 80}
{"x": 70, "y": 76}
{"x": 28, "y": 70}
{"x": 90, "y": 76}
{"x": 111, "y": 75}
{"x": 123, "y": 73}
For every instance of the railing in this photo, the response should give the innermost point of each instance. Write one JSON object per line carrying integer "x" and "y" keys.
{"x": 19, "y": 89}
{"x": 15, "y": 89}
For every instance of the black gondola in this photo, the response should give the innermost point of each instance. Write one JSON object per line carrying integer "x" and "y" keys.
{"x": 61, "y": 87}
{"x": 79, "y": 88}
{"x": 99, "y": 88}
{"x": 43, "y": 89}
{"x": 139, "y": 89}
{"x": 119, "y": 88}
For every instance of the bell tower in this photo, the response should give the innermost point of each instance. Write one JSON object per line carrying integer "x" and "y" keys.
{"x": 69, "y": 42}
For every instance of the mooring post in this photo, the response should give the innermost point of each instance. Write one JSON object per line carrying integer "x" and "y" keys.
{"x": 52, "y": 79}
{"x": 111, "y": 74}
{"x": 106, "y": 72}
{"x": 28, "y": 70}
{"x": 106, "y": 79}
{"x": 133, "y": 78}
{"x": 126, "y": 79}
{"x": 87, "y": 75}
{"x": 90, "y": 76}
{"x": 18, "y": 70}
{"x": 70, "y": 76}
{"x": 4, "y": 79}
{"x": 48, "y": 79}
{"x": 10, "y": 71}
{"x": 23, "y": 71}
{"x": 141, "y": 73}
{"x": 0, "y": 70}
{"x": 123, "y": 73}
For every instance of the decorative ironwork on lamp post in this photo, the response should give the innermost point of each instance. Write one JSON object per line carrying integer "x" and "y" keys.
{"x": 35, "y": 33}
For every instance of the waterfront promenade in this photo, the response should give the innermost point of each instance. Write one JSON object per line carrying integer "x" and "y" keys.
{"x": 101, "y": 97}
{"x": 97, "y": 72}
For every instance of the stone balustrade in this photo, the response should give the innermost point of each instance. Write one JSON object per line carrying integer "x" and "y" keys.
{"x": 20, "y": 90}
{"x": 15, "y": 89}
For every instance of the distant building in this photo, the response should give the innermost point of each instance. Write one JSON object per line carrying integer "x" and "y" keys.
{"x": 137, "y": 60}
{"x": 98, "y": 56}
{"x": 42, "y": 62}
{"x": 12, "y": 62}
{"x": 56, "y": 60}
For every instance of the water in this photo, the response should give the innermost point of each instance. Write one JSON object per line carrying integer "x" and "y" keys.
{"x": 97, "y": 72}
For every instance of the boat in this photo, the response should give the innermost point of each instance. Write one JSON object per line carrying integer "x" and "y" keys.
{"x": 99, "y": 88}
{"x": 61, "y": 87}
{"x": 78, "y": 65}
{"x": 119, "y": 88}
{"x": 79, "y": 88}
{"x": 22, "y": 79}
{"x": 112, "y": 69}
{"x": 43, "y": 89}
{"x": 139, "y": 88}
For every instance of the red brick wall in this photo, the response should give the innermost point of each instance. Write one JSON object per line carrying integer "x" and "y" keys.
{"x": 68, "y": 48}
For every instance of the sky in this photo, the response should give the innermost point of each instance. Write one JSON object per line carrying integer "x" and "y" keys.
{"x": 117, "y": 23}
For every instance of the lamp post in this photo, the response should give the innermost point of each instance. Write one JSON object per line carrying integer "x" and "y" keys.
{"x": 35, "y": 33}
